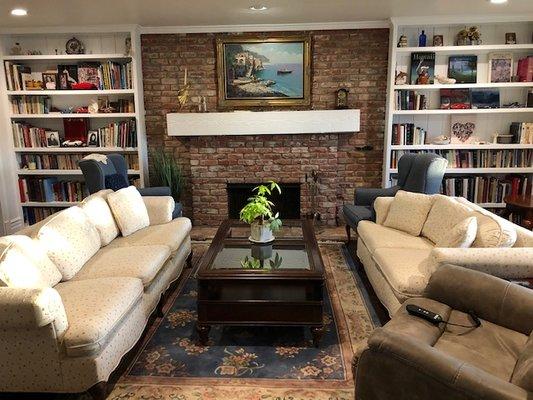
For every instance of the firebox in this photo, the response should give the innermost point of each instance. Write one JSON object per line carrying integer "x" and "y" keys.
{"x": 287, "y": 204}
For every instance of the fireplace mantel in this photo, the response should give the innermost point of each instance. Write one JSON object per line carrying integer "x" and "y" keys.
{"x": 263, "y": 123}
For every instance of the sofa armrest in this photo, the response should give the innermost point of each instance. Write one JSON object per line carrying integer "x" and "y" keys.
{"x": 159, "y": 208}
{"x": 31, "y": 308}
{"x": 506, "y": 262}
{"x": 366, "y": 196}
{"x": 399, "y": 367}
{"x": 155, "y": 191}
{"x": 493, "y": 299}
{"x": 381, "y": 206}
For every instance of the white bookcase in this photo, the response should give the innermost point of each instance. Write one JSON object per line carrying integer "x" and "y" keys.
{"x": 102, "y": 44}
{"x": 436, "y": 121}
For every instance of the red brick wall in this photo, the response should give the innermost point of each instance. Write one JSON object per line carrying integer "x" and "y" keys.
{"x": 355, "y": 59}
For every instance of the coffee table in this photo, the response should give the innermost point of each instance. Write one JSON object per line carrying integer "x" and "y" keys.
{"x": 242, "y": 283}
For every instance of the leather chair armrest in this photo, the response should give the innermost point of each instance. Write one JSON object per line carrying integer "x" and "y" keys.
{"x": 366, "y": 196}
{"x": 160, "y": 209}
{"x": 490, "y": 298}
{"x": 155, "y": 191}
{"x": 399, "y": 367}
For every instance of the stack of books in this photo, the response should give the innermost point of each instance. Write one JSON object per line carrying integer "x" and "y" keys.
{"x": 25, "y": 135}
{"x": 62, "y": 161}
{"x": 34, "y": 215}
{"x": 408, "y": 134}
{"x": 410, "y": 100}
{"x": 117, "y": 134}
{"x": 50, "y": 189}
{"x": 30, "y": 105}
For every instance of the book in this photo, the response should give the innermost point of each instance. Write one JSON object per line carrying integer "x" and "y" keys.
{"x": 455, "y": 99}
{"x": 500, "y": 67}
{"x": 88, "y": 72}
{"x": 463, "y": 68}
{"x": 525, "y": 69}
{"x": 485, "y": 98}
{"x": 422, "y": 68}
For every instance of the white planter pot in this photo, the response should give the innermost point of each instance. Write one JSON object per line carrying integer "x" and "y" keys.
{"x": 261, "y": 233}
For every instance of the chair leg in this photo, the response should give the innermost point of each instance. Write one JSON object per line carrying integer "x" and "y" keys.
{"x": 189, "y": 260}
{"x": 98, "y": 391}
{"x": 348, "y": 233}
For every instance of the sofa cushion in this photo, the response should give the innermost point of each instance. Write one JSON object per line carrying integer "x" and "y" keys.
{"x": 404, "y": 269}
{"x": 523, "y": 370}
{"x": 171, "y": 234}
{"x": 445, "y": 213}
{"x": 408, "y": 212}
{"x": 95, "y": 308}
{"x": 377, "y": 236}
{"x": 70, "y": 240}
{"x": 24, "y": 263}
{"x": 129, "y": 210}
{"x": 142, "y": 262}
{"x": 100, "y": 215}
{"x": 461, "y": 235}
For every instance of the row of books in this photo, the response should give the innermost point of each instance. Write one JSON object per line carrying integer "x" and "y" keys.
{"x": 63, "y": 161}
{"x": 516, "y": 158}
{"x": 30, "y": 105}
{"x": 116, "y": 134}
{"x": 410, "y": 100}
{"x": 408, "y": 134}
{"x": 34, "y": 215}
{"x": 50, "y": 189}
{"x": 482, "y": 189}
{"x": 26, "y": 135}
{"x": 522, "y": 132}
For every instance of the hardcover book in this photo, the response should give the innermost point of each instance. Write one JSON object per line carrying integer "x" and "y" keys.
{"x": 422, "y": 68}
{"x": 455, "y": 99}
{"x": 88, "y": 72}
{"x": 500, "y": 67}
{"x": 485, "y": 98}
{"x": 463, "y": 68}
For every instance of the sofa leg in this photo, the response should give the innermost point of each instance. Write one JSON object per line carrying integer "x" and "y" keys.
{"x": 189, "y": 260}
{"x": 348, "y": 234}
{"x": 98, "y": 391}
{"x": 159, "y": 310}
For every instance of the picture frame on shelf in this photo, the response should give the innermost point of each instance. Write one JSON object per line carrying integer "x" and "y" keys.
{"x": 463, "y": 68}
{"x": 50, "y": 80}
{"x": 92, "y": 139}
{"x": 463, "y": 129}
{"x": 485, "y": 98}
{"x": 510, "y": 38}
{"x": 438, "y": 40}
{"x": 455, "y": 99}
{"x": 52, "y": 139}
{"x": 500, "y": 67}
{"x": 63, "y": 81}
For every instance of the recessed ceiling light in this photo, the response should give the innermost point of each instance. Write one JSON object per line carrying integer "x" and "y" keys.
{"x": 19, "y": 12}
{"x": 498, "y": 1}
{"x": 259, "y": 7}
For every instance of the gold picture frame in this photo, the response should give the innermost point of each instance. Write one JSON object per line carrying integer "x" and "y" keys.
{"x": 264, "y": 71}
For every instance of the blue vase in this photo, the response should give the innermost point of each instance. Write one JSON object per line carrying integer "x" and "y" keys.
{"x": 422, "y": 40}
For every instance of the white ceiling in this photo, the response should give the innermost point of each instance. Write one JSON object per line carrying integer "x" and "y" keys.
{"x": 236, "y": 12}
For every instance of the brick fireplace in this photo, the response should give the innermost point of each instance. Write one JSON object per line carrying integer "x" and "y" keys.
{"x": 355, "y": 59}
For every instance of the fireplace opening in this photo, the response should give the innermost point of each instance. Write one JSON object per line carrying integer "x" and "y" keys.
{"x": 287, "y": 204}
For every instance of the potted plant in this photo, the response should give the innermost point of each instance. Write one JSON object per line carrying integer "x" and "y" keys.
{"x": 167, "y": 172}
{"x": 258, "y": 213}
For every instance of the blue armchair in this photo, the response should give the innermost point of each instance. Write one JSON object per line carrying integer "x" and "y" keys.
{"x": 421, "y": 173}
{"x": 114, "y": 175}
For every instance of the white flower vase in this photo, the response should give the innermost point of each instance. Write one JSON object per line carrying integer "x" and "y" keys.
{"x": 261, "y": 232}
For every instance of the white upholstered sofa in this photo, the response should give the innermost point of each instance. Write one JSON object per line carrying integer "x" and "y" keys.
{"x": 398, "y": 264}
{"x": 75, "y": 294}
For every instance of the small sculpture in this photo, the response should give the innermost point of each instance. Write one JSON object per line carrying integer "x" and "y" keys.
{"x": 445, "y": 80}
{"x": 400, "y": 78}
{"x": 402, "y": 42}
{"x": 183, "y": 93}
{"x": 441, "y": 140}
{"x": 16, "y": 50}
{"x": 93, "y": 106}
{"x": 127, "y": 47}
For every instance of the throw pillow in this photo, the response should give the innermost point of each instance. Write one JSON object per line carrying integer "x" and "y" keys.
{"x": 461, "y": 235}
{"x": 493, "y": 231}
{"x": 70, "y": 240}
{"x": 408, "y": 212}
{"x": 445, "y": 213}
{"x": 100, "y": 215}
{"x": 115, "y": 182}
{"x": 129, "y": 210}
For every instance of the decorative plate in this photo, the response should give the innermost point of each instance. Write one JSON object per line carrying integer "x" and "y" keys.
{"x": 74, "y": 46}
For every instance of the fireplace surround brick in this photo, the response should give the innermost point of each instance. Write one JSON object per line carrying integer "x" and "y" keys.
{"x": 355, "y": 59}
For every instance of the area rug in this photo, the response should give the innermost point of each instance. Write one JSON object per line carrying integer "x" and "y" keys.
{"x": 241, "y": 363}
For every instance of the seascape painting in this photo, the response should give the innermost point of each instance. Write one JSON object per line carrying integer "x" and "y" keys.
{"x": 263, "y": 72}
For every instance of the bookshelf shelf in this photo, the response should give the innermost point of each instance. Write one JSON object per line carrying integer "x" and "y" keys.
{"x": 467, "y": 111}
{"x": 56, "y": 150}
{"x": 475, "y": 171}
{"x": 491, "y": 146}
{"x": 438, "y": 86}
{"x": 483, "y": 48}
{"x": 69, "y": 57}
{"x": 69, "y": 92}
{"x": 492, "y": 205}
{"x": 73, "y": 115}
{"x": 52, "y": 204}
{"x": 68, "y": 172}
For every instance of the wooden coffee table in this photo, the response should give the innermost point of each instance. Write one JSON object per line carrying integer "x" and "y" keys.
{"x": 241, "y": 283}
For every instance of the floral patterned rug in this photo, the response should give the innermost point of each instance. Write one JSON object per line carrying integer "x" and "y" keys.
{"x": 241, "y": 363}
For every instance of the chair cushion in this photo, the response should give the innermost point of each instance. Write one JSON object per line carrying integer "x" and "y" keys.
{"x": 24, "y": 263}
{"x": 408, "y": 212}
{"x": 354, "y": 214}
{"x": 129, "y": 210}
{"x": 100, "y": 215}
{"x": 70, "y": 240}
{"x": 523, "y": 370}
{"x": 404, "y": 269}
{"x": 142, "y": 262}
{"x": 171, "y": 234}
{"x": 94, "y": 308}
{"x": 115, "y": 182}
{"x": 445, "y": 213}
{"x": 378, "y": 236}
{"x": 462, "y": 235}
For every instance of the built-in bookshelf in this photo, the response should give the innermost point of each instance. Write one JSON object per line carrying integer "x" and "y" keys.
{"x": 50, "y": 122}
{"x": 481, "y": 168}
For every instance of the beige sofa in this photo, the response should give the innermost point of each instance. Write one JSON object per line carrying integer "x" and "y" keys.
{"x": 399, "y": 265}
{"x": 70, "y": 336}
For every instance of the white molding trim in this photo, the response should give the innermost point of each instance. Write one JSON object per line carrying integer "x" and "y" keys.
{"x": 313, "y": 26}
{"x": 69, "y": 29}
{"x": 460, "y": 19}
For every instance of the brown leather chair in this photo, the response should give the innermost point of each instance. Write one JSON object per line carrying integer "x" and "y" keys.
{"x": 412, "y": 359}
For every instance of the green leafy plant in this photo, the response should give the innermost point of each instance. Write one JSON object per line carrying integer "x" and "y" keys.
{"x": 167, "y": 172}
{"x": 259, "y": 207}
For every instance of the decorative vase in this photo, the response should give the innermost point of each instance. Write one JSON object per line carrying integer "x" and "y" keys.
{"x": 262, "y": 251}
{"x": 261, "y": 232}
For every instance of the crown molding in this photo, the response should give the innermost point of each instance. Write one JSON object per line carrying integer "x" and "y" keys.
{"x": 317, "y": 26}
{"x": 460, "y": 19}
{"x": 70, "y": 29}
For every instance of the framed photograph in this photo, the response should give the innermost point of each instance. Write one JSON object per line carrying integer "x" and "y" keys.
{"x": 68, "y": 72}
{"x": 50, "y": 80}
{"x": 264, "y": 71}
{"x": 463, "y": 129}
{"x": 438, "y": 40}
{"x": 500, "y": 67}
{"x": 52, "y": 139}
{"x": 510, "y": 38}
{"x": 485, "y": 98}
{"x": 63, "y": 81}
{"x": 92, "y": 139}
{"x": 463, "y": 69}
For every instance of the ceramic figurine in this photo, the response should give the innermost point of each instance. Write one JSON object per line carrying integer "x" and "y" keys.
{"x": 127, "y": 47}
{"x": 422, "y": 39}
{"x": 402, "y": 42}
{"x": 16, "y": 50}
{"x": 445, "y": 80}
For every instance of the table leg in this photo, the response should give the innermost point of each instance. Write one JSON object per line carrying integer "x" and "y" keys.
{"x": 203, "y": 332}
{"x": 317, "y": 332}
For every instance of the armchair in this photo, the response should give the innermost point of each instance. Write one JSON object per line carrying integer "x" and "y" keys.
{"x": 421, "y": 173}
{"x": 100, "y": 175}
{"x": 412, "y": 359}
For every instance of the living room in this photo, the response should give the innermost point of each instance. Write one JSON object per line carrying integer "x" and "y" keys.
{"x": 266, "y": 199}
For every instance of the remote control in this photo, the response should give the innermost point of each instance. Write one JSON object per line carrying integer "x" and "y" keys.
{"x": 424, "y": 314}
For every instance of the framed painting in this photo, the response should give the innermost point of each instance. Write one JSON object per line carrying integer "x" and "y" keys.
{"x": 259, "y": 71}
